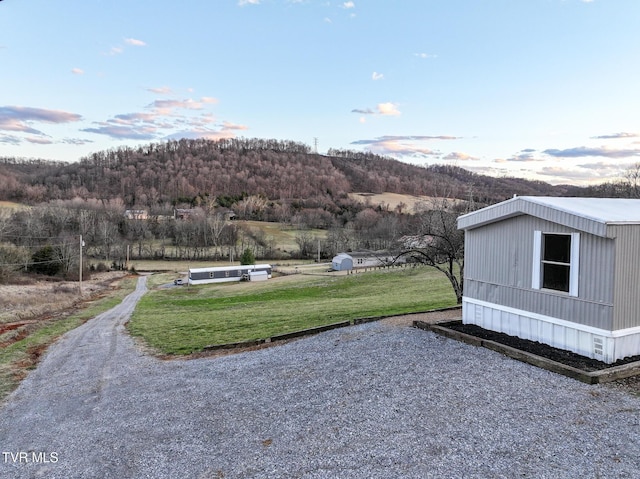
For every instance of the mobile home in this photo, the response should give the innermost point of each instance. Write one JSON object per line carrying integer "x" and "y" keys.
{"x": 221, "y": 274}
{"x": 561, "y": 271}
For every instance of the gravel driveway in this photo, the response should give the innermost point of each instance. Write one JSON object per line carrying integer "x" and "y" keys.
{"x": 373, "y": 401}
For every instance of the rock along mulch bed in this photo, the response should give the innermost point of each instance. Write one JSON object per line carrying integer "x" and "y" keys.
{"x": 557, "y": 360}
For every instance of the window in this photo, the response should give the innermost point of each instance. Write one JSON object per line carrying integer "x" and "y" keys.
{"x": 556, "y": 262}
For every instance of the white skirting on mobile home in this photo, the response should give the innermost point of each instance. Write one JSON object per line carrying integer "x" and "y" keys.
{"x": 595, "y": 343}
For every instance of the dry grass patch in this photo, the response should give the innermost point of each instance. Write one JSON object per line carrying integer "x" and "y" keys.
{"x": 45, "y": 298}
{"x": 35, "y": 315}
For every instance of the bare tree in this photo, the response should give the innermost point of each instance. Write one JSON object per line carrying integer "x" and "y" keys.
{"x": 305, "y": 242}
{"x": 439, "y": 243}
{"x": 632, "y": 181}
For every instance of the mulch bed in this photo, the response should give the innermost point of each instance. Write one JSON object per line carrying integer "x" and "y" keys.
{"x": 567, "y": 358}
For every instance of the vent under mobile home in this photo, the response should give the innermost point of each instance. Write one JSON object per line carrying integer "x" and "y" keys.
{"x": 598, "y": 346}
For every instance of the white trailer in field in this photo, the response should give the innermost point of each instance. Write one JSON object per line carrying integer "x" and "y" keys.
{"x": 223, "y": 274}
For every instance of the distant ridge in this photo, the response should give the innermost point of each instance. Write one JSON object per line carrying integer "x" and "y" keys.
{"x": 190, "y": 171}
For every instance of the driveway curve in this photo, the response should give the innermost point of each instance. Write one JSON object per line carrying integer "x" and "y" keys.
{"x": 372, "y": 401}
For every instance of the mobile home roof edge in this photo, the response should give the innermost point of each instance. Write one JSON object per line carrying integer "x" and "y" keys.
{"x": 228, "y": 268}
{"x": 591, "y": 215}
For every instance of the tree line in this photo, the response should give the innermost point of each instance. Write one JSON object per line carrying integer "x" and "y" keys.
{"x": 44, "y": 239}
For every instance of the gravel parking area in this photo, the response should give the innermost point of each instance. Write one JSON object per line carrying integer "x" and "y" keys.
{"x": 380, "y": 400}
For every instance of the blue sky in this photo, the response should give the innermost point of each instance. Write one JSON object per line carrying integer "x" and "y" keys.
{"x": 543, "y": 89}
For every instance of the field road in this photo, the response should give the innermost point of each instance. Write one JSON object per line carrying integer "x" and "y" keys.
{"x": 377, "y": 400}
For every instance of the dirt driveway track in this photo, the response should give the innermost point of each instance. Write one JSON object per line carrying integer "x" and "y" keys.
{"x": 373, "y": 401}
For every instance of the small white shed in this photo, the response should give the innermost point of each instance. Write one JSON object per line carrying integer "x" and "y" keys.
{"x": 342, "y": 262}
{"x": 258, "y": 276}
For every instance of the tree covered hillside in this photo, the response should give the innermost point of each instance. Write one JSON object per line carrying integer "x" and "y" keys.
{"x": 196, "y": 171}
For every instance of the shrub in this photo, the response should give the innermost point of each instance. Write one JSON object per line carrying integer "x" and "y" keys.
{"x": 101, "y": 267}
{"x": 12, "y": 259}
{"x": 45, "y": 261}
{"x": 247, "y": 257}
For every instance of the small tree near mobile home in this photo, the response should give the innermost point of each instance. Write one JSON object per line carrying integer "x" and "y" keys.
{"x": 247, "y": 257}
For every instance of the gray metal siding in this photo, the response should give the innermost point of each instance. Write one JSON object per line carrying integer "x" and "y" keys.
{"x": 561, "y": 306}
{"x": 627, "y": 276}
{"x": 498, "y": 269}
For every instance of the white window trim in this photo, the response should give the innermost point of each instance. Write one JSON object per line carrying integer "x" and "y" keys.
{"x": 574, "y": 262}
{"x": 574, "y": 271}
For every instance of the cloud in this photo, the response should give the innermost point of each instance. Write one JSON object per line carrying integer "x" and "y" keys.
{"x": 168, "y": 119}
{"x": 163, "y": 90}
{"x": 12, "y": 124}
{"x": 600, "y": 166}
{"x": 77, "y": 71}
{"x": 377, "y": 76}
{"x": 526, "y": 155}
{"x": 425, "y": 55}
{"x": 227, "y": 126}
{"x": 348, "y": 5}
{"x": 187, "y": 104}
{"x": 403, "y": 145}
{"x": 135, "y": 42}
{"x": 616, "y": 136}
{"x": 18, "y": 118}
{"x": 566, "y": 173}
{"x": 37, "y": 114}
{"x": 458, "y": 156}
{"x": 114, "y": 51}
{"x": 388, "y": 109}
{"x": 122, "y": 132}
{"x": 133, "y": 118}
{"x": 385, "y": 109}
{"x": 242, "y": 3}
{"x": 583, "y": 151}
{"x": 39, "y": 140}
{"x": 76, "y": 141}
{"x": 368, "y": 111}
{"x": 10, "y": 140}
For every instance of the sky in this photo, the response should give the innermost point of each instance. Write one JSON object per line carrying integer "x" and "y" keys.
{"x": 542, "y": 89}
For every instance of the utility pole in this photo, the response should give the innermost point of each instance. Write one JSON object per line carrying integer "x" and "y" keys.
{"x": 80, "y": 272}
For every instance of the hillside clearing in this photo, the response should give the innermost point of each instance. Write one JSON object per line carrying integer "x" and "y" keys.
{"x": 391, "y": 201}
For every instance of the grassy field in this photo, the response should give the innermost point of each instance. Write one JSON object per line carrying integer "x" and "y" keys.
{"x": 284, "y": 238}
{"x": 19, "y": 357}
{"x": 186, "y": 319}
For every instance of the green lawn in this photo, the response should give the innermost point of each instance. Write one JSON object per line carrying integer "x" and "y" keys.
{"x": 184, "y": 320}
